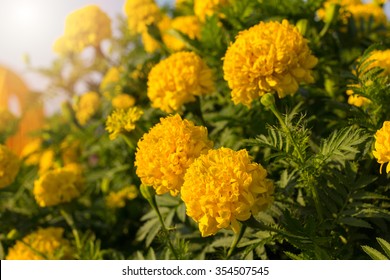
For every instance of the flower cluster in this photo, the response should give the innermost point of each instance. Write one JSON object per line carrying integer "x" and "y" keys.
{"x": 382, "y": 146}
{"x": 167, "y": 150}
{"x": 206, "y": 8}
{"x": 122, "y": 101}
{"x": 87, "y": 26}
{"x": 223, "y": 187}
{"x": 87, "y": 107}
{"x": 177, "y": 80}
{"x": 268, "y": 57}
{"x": 140, "y": 14}
{"x": 58, "y": 186}
{"x": 118, "y": 199}
{"x": 122, "y": 120}
{"x": 9, "y": 166}
{"x": 45, "y": 243}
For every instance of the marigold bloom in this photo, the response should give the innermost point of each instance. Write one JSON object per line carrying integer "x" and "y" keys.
{"x": 42, "y": 244}
{"x": 206, "y": 8}
{"x": 223, "y": 187}
{"x": 377, "y": 58}
{"x": 122, "y": 101}
{"x": 382, "y": 146}
{"x": 140, "y": 14}
{"x": 367, "y": 12}
{"x": 9, "y": 166}
{"x": 167, "y": 150}
{"x": 268, "y": 57}
{"x": 87, "y": 107}
{"x": 118, "y": 199}
{"x": 122, "y": 120}
{"x": 58, "y": 186}
{"x": 177, "y": 80}
{"x": 84, "y": 27}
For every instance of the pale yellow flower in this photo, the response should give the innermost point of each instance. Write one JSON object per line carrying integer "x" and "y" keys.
{"x": 58, "y": 186}
{"x": 87, "y": 26}
{"x": 123, "y": 120}
{"x": 140, "y": 14}
{"x": 268, "y": 57}
{"x": 42, "y": 244}
{"x": 118, "y": 199}
{"x": 9, "y": 166}
{"x": 122, "y": 101}
{"x": 177, "y": 80}
{"x": 223, "y": 187}
{"x": 87, "y": 107}
{"x": 167, "y": 150}
{"x": 382, "y": 146}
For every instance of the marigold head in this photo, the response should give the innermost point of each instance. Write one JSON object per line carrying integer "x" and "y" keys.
{"x": 206, "y": 8}
{"x": 9, "y": 166}
{"x": 58, "y": 186}
{"x": 122, "y": 101}
{"x": 118, "y": 199}
{"x": 177, "y": 80}
{"x": 84, "y": 27}
{"x": 87, "y": 107}
{"x": 167, "y": 150}
{"x": 382, "y": 146}
{"x": 140, "y": 14}
{"x": 123, "y": 120}
{"x": 223, "y": 187}
{"x": 268, "y": 57}
{"x": 42, "y": 244}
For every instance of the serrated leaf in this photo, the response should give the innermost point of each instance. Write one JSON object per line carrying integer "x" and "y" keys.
{"x": 181, "y": 212}
{"x": 146, "y": 228}
{"x": 373, "y": 253}
{"x": 385, "y": 246}
{"x": 354, "y": 222}
{"x": 152, "y": 234}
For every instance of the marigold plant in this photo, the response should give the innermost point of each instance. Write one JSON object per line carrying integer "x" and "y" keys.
{"x": 167, "y": 150}
{"x": 224, "y": 187}
{"x": 268, "y": 57}
{"x": 42, "y": 244}
{"x": 178, "y": 80}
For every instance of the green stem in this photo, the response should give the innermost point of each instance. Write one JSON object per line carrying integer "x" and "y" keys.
{"x": 128, "y": 141}
{"x": 148, "y": 193}
{"x": 236, "y": 240}
{"x": 69, "y": 220}
{"x": 287, "y": 131}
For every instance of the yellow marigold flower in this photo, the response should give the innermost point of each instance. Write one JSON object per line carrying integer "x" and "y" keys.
{"x": 377, "y": 58}
{"x": 177, "y": 80}
{"x": 47, "y": 161}
{"x": 87, "y": 26}
{"x": 223, "y": 187}
{"x": 188, "y": 25}
{"x": 140, "y": 14}
{"x": 367, "y": 12}
{"x": 31, "y": 153}
{"x": 122, "y": 120}
{"x": 118, "y": 199}
{"x": 58, "y": 186}
{"x": 8, "y": 122}
{"x": 87, "y": 107}
{"x": 382, "y": 146}
{"x": 206, "y": 8}
{"x": 167, "y": 150}
{"x": 9, "y": 166}
{"x": 268, "y": 57}
{"x": 47, "y": 243}
{"x": 123, "y": 101}
{"x": 343, "y": 11}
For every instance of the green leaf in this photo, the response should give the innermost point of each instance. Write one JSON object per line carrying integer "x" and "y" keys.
{"x": 181, "y": 212}
{"x": 385, "y": 246}
{"x": 373, "y": 253}
{"x": 354, "y": 222}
